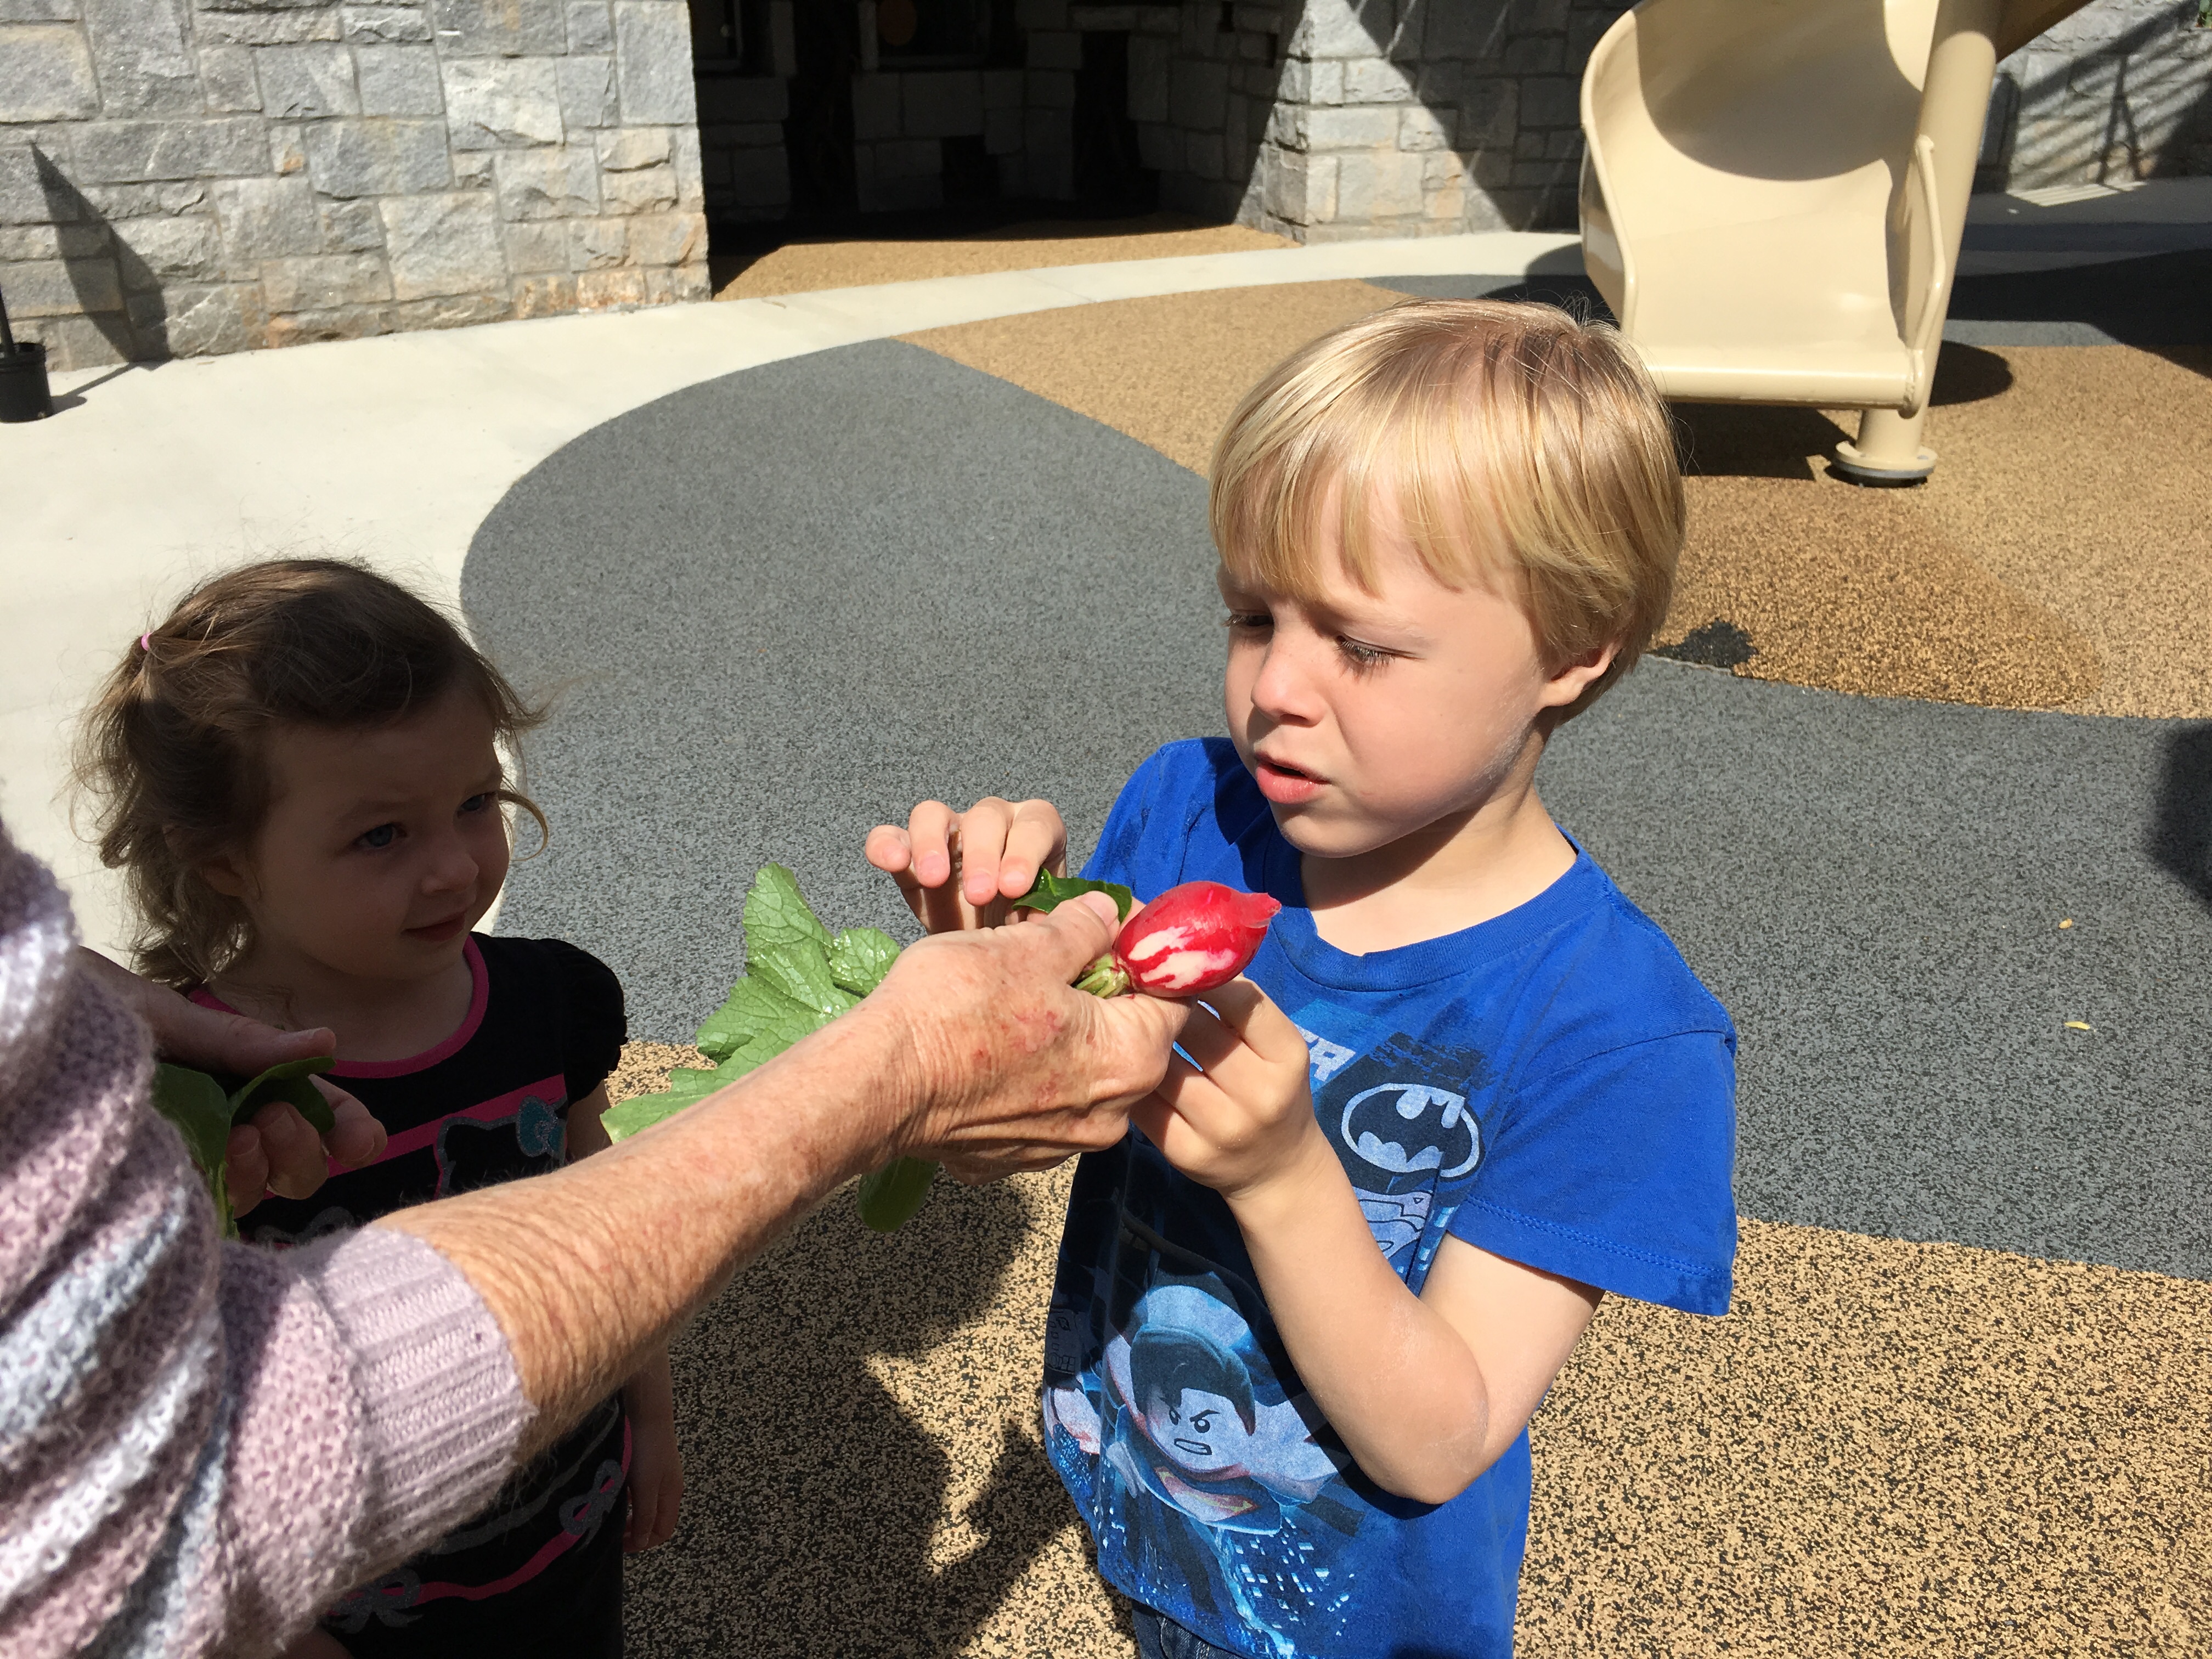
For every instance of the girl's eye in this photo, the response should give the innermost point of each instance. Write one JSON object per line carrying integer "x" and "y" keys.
{"x": 478, "y": 803}
{"x": 383, "y": 836}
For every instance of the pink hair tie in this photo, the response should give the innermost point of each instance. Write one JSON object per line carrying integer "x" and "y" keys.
{"x": 144, "y": 639}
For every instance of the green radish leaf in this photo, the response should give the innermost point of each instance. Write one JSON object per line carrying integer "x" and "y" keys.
{"x": 889, "y": 1198}
{"x": 1049, "y": 891}
{"x": 802, "y": 972}
{"x": 196, "y": 1103}
{"x": 859, "y": 958}
{"x": 754, "y": 1005}
{"x": 687, "y": 1087}
{"x": 776, "y": 915}
{"x": 287, "y": 1082}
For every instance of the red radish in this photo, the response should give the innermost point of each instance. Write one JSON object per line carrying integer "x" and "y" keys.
{"x": 1190, "y": 939}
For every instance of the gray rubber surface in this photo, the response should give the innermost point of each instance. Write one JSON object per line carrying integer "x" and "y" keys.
{"x": 791, "y": 602}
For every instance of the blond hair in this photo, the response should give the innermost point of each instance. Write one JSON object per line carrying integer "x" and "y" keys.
{"x": 1522, "y": 447}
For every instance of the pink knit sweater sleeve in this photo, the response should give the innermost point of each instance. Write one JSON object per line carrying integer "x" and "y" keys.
{"x": 201, "y": 1445}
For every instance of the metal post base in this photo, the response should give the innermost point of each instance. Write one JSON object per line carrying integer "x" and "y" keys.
{"x": 1888, "y": 451}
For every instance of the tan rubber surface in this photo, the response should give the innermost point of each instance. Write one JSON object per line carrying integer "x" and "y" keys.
{"x": 1885, "y": 1449}
{"x": 802, "y": 267}
{"x": 2060, "y": 557}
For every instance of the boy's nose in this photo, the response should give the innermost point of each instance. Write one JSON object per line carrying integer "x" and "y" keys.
{"x": 1283, "y": 688}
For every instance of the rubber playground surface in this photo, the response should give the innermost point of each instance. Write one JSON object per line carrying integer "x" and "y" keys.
{"x": 1924, "y": 793}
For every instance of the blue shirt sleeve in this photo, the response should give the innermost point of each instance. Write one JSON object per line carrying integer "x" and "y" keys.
{"x": 1614, "y": 1171}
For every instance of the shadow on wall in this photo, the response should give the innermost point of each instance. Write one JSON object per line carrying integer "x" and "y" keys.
{"x": 2181, "y": 834}
{"x": 116, "y": 292}
{"x": 2156, "y": 94}
{"x": 812, "y": 1514}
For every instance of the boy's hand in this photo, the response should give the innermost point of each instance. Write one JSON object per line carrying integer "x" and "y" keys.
{"x": 994, "y": 849}
{"x": 1242, "y": 1117}
{"x": 656, "y": 1463}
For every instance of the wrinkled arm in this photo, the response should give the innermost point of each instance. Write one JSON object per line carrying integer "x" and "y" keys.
{"x": 975, "y": 1048}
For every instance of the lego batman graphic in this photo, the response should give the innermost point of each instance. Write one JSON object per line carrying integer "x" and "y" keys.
{"x": 1399, "y": 1118}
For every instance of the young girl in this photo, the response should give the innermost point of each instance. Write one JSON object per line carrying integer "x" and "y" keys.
{"x": 300, "y": 774}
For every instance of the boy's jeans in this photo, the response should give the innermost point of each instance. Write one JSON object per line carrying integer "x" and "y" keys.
{"x": 1159, "y": 1636}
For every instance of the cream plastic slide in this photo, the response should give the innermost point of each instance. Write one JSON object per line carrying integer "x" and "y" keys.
{"x": 1773, "y": 191}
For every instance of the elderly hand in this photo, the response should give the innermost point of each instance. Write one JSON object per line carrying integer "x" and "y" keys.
{"x": 279, "y": 1151}
{"x": 1016, "y": 1069}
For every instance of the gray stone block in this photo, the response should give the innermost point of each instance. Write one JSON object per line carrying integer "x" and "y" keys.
{"x": 453, "y": 311}
{"x": 1379, "y": 185}
{"x": 553, "y": 295}
{"x": 1119, "y": 19}
{"x": 139, "y": 50}
{"x": 472, "y": 169}
{"x": 1541, "y": 174}
{"x": 743, "y": 98}
{"x": 149, "y": 253}
{"x": 1298, "y": 190}
{"x": 123, "y": 152}
{"x": 78, "y": 342}
{"x": 305, "y": 82}
{"x": 45, "y": 73}
{"x": 399, "y": 81}
{"x": 1354, "y": 126}
{"x": 494, "y": 103}
{"x": 1540, "y": 16}
{"x": 691, "y": 186}
{"x": 1034, "y": 15}
{"x": 1150, "y": 59}
{"x": 267, "y": 28}
{"x": 382, "y": 26}
{"x": 1053, "y": 48}
{"x": 338, "y": 323}
{"x": 351, "y": 228}
{"x": 1376, "y": 81}
{"x": 610, "y": 289}
{"x": 227, "y": 79}
{"x": 942, "y": 103}
{"x": 632, "y": 148}
{"x": 1565, "y": 145}
{"x": 444, "y": 244}
{"x": 1529, "y": 147}
{"x": 547, "y": 184}
{"x": 1489, "y": 114}
{"x": 118, "y": 202}
{"x": 542, "y": 246}
{"x": 315, "y": 282}
{"x": 666, "y": 238}
{"x": 1198, "y": 95}
{"x": 383, "y": 155}
{"x": 1536, "y": 55}
{"x": 287, "y": 148}
{"x": 266, "y": 219}
{"x": 597, "y": 244}
{"x": 1002, "y": 87}
{"x": 1346, "y": 28}
{"x": 1466, "y": 28}
{"x": 78, "y": 241}
{"x": 875, "y": 107}
{"x": 1424, "y": 128}
{"x": 647, "y": 190}
{"x": 1202, "y": 155}
{"x": 63, "y": 287}
{"x": 587, "y": 92}
{"x": 1002, "y": 131}
{"x": 653, "y": 62}
{"x": 591, "y": 27}
{"x": 1550, "y": 101}
{"x": 1160, "y": 147}
{"x": 40, "y": 11}
{"x": 498, "y": 28}
{"x": 1049, "y": 90}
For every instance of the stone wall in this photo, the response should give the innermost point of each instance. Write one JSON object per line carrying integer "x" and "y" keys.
{"x": 2121, "y": 90}
{"x": 187, "y": 176}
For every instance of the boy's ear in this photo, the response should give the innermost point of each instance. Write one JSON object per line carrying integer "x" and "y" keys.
{"x": 1569, "y": 681}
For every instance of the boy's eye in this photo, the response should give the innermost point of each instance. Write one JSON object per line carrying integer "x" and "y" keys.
{"x": 383, "y": 836}
{"x": 1254, "y": 619}
{"x": 1360, "y": 655}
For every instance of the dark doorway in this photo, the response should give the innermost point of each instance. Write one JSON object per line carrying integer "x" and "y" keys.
{"x": 817, "y": 135}
{"x": 1108, "y": 173}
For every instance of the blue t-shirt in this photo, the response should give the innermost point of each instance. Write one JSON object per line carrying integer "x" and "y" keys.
{"x": 1554, "y": 1086}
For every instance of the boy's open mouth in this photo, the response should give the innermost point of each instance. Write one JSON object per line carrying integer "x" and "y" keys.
{"x": 1282, "y": 784}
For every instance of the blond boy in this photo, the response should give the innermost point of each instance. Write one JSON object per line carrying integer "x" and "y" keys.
{"x": 1301, "y": 1322}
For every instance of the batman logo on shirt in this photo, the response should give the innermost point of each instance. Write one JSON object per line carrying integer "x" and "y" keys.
{"x": 1400, "y": 1119}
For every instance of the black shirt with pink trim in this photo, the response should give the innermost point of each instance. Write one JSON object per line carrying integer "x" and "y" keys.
{"x": 544, "y": 1028}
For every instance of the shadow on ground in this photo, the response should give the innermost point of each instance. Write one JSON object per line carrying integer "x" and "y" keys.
{"x": 813, "y": 1497}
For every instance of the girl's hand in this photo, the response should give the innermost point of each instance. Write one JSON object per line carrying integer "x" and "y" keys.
{"x": 994, "y": 848}
{"x": 1242, "y": 1119}
{"x": 656, "y": 1463}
